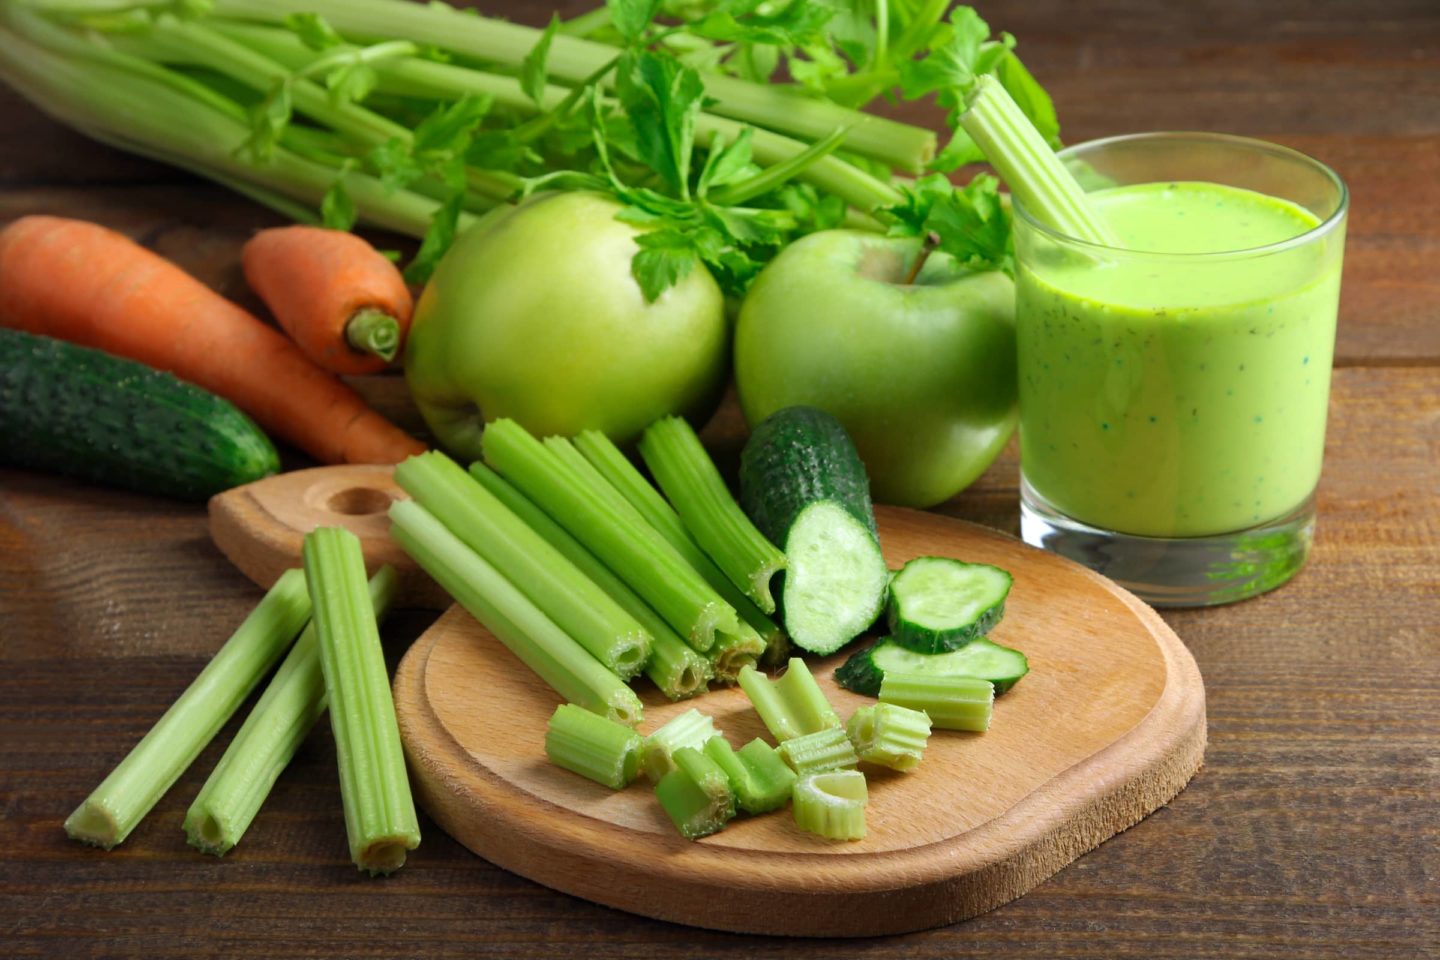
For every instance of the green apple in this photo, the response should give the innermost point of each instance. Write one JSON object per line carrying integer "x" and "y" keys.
{"x": 921, "y": 374}
{"x": 534, "y": 315}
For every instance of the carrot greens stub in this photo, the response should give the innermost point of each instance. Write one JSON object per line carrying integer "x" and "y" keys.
{"x": 107, "y": 816}
{"x": 379, "y": 811}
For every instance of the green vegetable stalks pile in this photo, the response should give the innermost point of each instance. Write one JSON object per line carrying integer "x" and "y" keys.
{"x": 728, "y": 127}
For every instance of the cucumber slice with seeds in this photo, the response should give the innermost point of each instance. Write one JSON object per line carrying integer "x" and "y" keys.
{"x": 938, "y": 604}
{"x": 982, "y": 658}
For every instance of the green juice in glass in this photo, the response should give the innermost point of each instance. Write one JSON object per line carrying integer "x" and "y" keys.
{"x": 1176, "y": 385}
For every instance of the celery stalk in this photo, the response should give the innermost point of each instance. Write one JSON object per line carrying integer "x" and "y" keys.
{"x": 690, "y": 729}
{"x": 696, "y": 795}
{"x": 889, "y": 735}
{"x": 734, "y": 652}
{"x": 497, "y": 603}
{"x": 635, "y": 552}
{"x": 379, "y": 811}
{"x": 791, "y": 706}
{"x": 954, "y": 703}
{"x": 695, "y": 488}
{"x": 832, "y": 804}
{"x": 566, "y": 595}
{"x": 759, "y": 778}
{"x": 106, "y": 817}
{"x": 626, "y": 480}
{"x": 673, "y": 666}
{"x": 274, "y": 730}
{"x": 828, "y": 749}
{"x": 1036, "y": 177}
{"x": 588, "y": 744}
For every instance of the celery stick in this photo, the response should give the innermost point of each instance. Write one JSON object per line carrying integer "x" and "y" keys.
{"x": 791, "y": 706}
{"x": 889, "y": 735}
{"x": 590, "y": 745}
{"x": 379, "y": 811}
{"x": 1036, "y": 177}
{"x": 758, "y": 776}
{"x": 695, "y": 488}
{"x": 497, "y": 603}
{"x": 690, "y": 729}
{"x": 832, "y": 804}
{"x": 673, "y": 666}
{"x": 696, "y": 794}
{"x": 566, "y": 595}
{"x": 107, "y": 816}
{"x": 828, "y": 749}
{"x": 734, "y": 652}
{"x": 279, "y": 723}
{"x": 635, "y": 552}
{"x": 631, "y": 485}
{"x": 954, "y": 703}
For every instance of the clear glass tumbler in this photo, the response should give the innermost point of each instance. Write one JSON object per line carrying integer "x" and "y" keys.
{"x": 1173, "y": 405}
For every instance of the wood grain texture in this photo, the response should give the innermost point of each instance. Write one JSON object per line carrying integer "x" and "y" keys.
{"x": 1108, "y": 726}
{"x": 1312, "y": 831}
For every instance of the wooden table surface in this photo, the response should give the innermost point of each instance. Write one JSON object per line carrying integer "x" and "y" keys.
{"x": 1312, "y": 830}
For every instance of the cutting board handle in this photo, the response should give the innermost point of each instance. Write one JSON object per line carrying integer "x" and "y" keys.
{"x": 261, "y": 525}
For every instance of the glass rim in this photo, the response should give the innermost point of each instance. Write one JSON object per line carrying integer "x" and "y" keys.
{"x": 1326, "y": 226}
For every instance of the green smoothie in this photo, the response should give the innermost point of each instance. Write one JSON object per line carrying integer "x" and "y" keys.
{"x": 1178, "y": 387}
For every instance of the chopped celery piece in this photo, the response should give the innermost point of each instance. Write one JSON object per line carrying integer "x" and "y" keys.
{"x": 627, "y": 481}
{"x": 889, "y": 735}
{"x": 758, "y": 776}
{"x": 497, "y": 603}
{"x": 791, "y": 706}
{"x": 695, "y": 488}
{"x": 673, "y": 666}
{"x": 696, "y": 794}
{"x": 107, "y": 816}
{"x": 954, "y": 703}
{"x": 691, "y": 729}
{"x": 1036, "y": 177}
{"x": 274, "y": 730}
{"x": 634, "y": 551}
{"x": 832, "y": 804}
{"x": 379, "y": 811}
{"x": 734, "y": 652}
{"x": 828, "y": 749}
{"x": 592, "y": 746}
{"x": 566, "y": 595}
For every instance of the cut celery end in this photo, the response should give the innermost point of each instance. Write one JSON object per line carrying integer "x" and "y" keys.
{"x": 791, "y": 706}
{"x": 588, "y": 744}
{"x": 889, "y": 735}
{"x": 710, "y": 514}
{"x": 734, "y": 652}
{"x": 674, "y": 666}
{"x": 818, "y": 752}
{"x": 267, "y": 741}
{"x": 122, "y": 799}
{"x": 557, "y": 659}
{"x": 953, "y": 703}
{"x": 832, "y": 804}
{"x": 565, "y": 594}
{"x": 690, "y": 729}
{"x": 380, "y": 817}
{"x": 696, "y": 795}
{"x": 760, "y": 780}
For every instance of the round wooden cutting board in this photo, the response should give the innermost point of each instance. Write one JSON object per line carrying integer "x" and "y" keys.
{"x": 1108, "y": 726}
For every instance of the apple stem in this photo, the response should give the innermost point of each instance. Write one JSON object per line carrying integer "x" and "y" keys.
{"x": 932, "y": 240}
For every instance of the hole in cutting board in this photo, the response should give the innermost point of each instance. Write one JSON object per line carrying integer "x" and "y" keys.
{"x": 358, "y": 501}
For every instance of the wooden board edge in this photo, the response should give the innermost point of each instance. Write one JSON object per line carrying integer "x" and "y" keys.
{"x": 881, "y": 894}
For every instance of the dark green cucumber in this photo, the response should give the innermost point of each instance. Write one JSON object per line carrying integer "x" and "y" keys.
{"x": 802, "y": 484}
{"x": 84, "y": 413}
{"x": 939, "y": 604}
{"x": 980, "y": 658}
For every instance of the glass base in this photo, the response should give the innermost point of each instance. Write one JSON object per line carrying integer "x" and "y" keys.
{"x": 1180, "y": 571}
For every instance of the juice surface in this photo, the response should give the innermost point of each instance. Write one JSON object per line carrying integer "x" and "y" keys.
{"x": 1177, "y": 396}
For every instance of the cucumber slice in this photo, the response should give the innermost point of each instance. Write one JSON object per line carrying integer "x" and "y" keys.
{"x": 980, "y": 658}
{"x": 938, "y": 604}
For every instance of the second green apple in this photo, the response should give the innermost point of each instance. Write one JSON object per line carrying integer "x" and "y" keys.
{"x": 921, "y": 374}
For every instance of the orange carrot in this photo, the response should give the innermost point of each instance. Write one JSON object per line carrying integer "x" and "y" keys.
{"x": 81, "y": 282}
{"x": 343, "y": 304}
